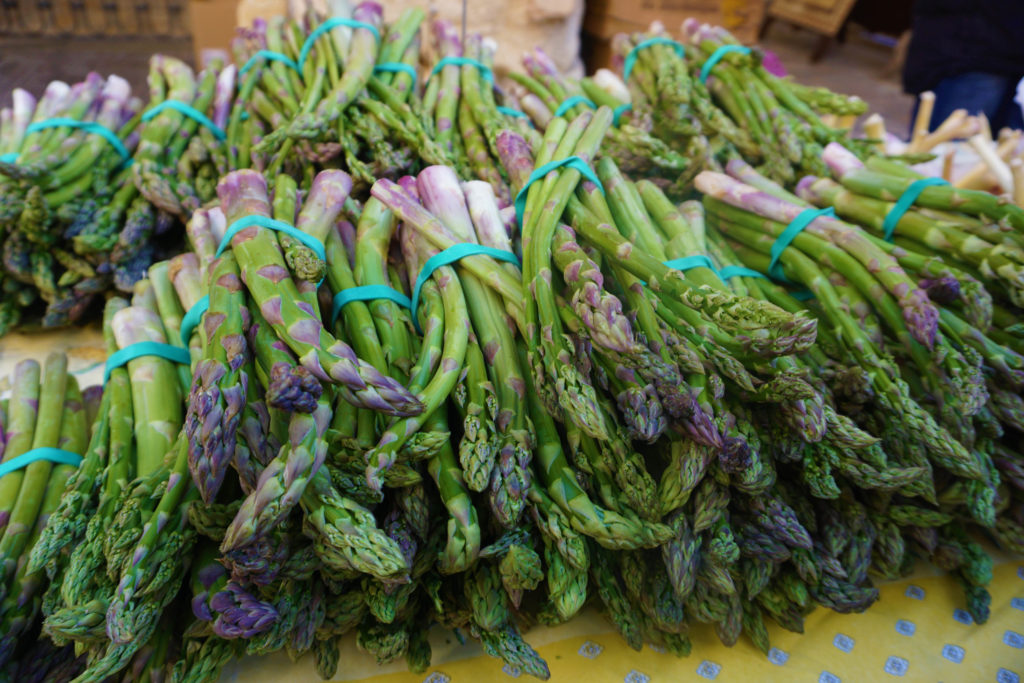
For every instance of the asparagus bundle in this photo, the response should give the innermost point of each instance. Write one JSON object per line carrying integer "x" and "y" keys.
{"x": 182, "y": 150}
{"x": 948, "y": 417}
{"x": 46, "y": 412}
{"x": 63, "y": 168}
{"x": 93, "y": 186}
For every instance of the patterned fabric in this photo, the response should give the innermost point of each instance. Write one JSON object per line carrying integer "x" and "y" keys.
{"x": 915, "y": 632}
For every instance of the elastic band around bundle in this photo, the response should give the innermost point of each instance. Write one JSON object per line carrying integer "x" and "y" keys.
{"x": 716, "y": 57}
{"x": 191, "y": 319}
{"x": 9, "y": 158}
{"x": 397, "y": 67}
{"x": 515, "y": 113}
{"x": 630, "y": 61}
{"x": 619, "y": 111}
{"x": 175, "y": 354}
{"x": 271, "y": 224}
{"x": 328, "y": 25}
{"x": 89, "y": 127}
{"x": 571, "y": 102}
{"x": 189, "y": 111}
{"x": 270, "y": 56}
{"x": 448, "y": 257}
{"x": 574, "y": 162}
{"x": 690, "y": 262}
{"x": 88, "y": 368}
{"x": 904, "y": 203}
{"x": 730, "y": 272}
{"x": 795, "y": 227}
{"x": 464, "y": 61}
{"x": 367, "y": 293}
{"x": 56, "y": 455}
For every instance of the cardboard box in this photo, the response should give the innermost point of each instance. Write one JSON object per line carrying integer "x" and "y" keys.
{"x": 213, "y": 26}
{"x": 605, "y": 18}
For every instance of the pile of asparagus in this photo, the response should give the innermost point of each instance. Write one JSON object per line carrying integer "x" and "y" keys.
{"x": 489, "y": 372}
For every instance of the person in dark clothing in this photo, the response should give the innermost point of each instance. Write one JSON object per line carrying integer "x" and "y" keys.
{"x": 970, "y": 53}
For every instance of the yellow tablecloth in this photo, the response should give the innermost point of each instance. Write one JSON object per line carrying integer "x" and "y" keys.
{"x": 915, "y": 632}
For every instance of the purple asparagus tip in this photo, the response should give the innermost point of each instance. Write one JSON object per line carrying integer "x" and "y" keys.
{"x": 942, "y": 290}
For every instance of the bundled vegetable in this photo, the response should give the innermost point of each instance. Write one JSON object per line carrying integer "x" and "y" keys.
{"x": 423, "y": 363}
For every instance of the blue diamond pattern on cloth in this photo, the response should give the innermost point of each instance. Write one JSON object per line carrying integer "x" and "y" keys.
{"x": 590, "y": 649}
{"x": 843, "y": 642}
{"x": 635, "y": 676}
{"x": 906, "y": 628}
{"x": 1017, "y": 603}
{"x": 953, "y": 653}
{"x": 915, "y": 592}
{"x": 1014, "y": 639}
{"x": 963, "y": 616}
{"x": 828, "y": 677}
{"x": 778, "y": 657}
{"x": 1020, "y": 572}
{"x": 1007, "y": 676}
{"x": 709, "y": 670}
{"x": 513, "y": 671}
{"x": 437, "y": 677}
{"x": 897, "y": 666}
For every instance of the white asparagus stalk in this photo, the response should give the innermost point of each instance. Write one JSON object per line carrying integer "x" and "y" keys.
{"x": 947, "y": 163}
{"x": 978, "y": 178}
{"x": 925, "y": 107}
{"x": 1017, "y": 169}
{"x": 986, "y": 128}
{"x": 874, "y": 128}
{"x": 958, "y": 125}
{"x": 983, "y": 145}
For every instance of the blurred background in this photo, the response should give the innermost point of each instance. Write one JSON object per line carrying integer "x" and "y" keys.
{"x": 851, "y": 46}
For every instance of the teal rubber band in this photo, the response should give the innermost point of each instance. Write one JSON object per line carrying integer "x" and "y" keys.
{"x": 398, "y": 67}
{"x": 328, "y": 25}
{"x": 464, "y": 61}
{"x": 88, "y": 126}
{"x": 270, "y": 56}
{"x": 630, "y": 61}
{"x": 515, "y": 113}
{"x": 716, "y": 57}
{"x": 904, "y": 203}
{"x": 619, "y": 111}
{"x": 191, "y": 319}
{"x": 448, "y": 257}
{"x": 9, "y": 158}
{"x": 571, "y": 102}
{"x": 538, "y": 173}
{"x": 802, "y": 295}
{"x": 87, "y": 368}
{"x": 271, "y": 224}
{"x": 175, "y": 354}
{"x": 366, "y": 293}
{"x": 189, "y": 111}
{"x": 695, "y": 261}
{"x": 56, "y": 455}
{"x": 730, "y": 272}
{"x": 795, "y": 227}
